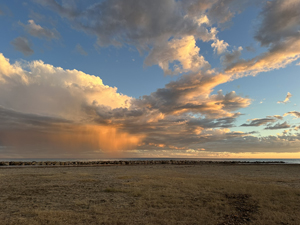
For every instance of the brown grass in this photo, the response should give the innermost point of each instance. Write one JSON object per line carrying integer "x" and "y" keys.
{"x": 160, "y": 194}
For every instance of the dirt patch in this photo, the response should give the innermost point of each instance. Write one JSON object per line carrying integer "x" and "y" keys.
{"x": 244, "y": 209}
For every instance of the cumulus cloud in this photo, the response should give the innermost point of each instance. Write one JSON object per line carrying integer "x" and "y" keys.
{"x": 80, "y": 50}
{"x": 22, "y": 44}
{"x": 287, "y": 98}
{"x": 37, "y": 31}
{"x": 43, "y": 107}
{"x": 37, "y": 87}
{"x": 183, "y": 50}
{"x": 39, "y": 97}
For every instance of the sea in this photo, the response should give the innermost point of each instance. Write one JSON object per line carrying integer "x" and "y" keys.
{"x": 286, "y": 161}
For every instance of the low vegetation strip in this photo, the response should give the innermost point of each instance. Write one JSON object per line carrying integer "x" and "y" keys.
{"x": 128, "y": 162}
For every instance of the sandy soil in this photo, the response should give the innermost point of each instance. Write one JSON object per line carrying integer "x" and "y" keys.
{"x": 151, "y": 194}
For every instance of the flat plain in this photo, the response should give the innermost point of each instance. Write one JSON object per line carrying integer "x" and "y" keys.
{"x": 151, "y": 194}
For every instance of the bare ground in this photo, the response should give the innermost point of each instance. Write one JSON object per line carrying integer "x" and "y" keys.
{"x": 151, "y": 194}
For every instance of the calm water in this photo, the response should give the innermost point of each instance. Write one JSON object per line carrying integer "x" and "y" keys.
{"x": 287, "y": 161}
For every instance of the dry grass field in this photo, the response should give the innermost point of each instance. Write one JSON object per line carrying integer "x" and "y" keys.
{"x": 151, "y": 194}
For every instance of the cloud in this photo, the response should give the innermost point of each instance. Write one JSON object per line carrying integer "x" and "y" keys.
{"x": 258, "y": 122}
{"x": 23, "y": 45}
{"x": 183, "y": 50}
{"x": 293, "y": 113}
{"x": 279, "y": 31}
{"x": 69, "y": 104}
{"x": 231, "y": 57}
{"x": 35, "y": 135}
{"x": 5, "y": 11}
{"x": 185, "y": 115}
{"x": 41, "y": 88}
{"x": 37, "y": 31}
{"x": 278, "y": 56}
{"x": 250, "y": 48}
{"x": 168, "y": 34}
{"x": 283, "y": 125}
{"x": 287, "y": 98}
{"x": 43, "y": 107}
{"x": 296, "y": 128}
{"x": 278, "y": 117}
{"x": 280, "y": 20}
{"x": 252, "y": 145}
{"x": 219, "y": 46}
{"x": 80, "y": 50}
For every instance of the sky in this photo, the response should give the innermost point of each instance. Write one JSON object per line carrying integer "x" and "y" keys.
{"x": 160, "y": 78}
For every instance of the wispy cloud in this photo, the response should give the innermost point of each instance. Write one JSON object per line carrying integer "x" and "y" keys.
{"x": 38, "y": 31}
{"x": 293, "y": 113}
{"x": 287, "y": 98}
{"x": 263, "y": 121}
{"x": 283, "y": 125}
{"x": 80, "y": 50}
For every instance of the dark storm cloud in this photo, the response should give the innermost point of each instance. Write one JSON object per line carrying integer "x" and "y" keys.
{"x": 13, "y": 119}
